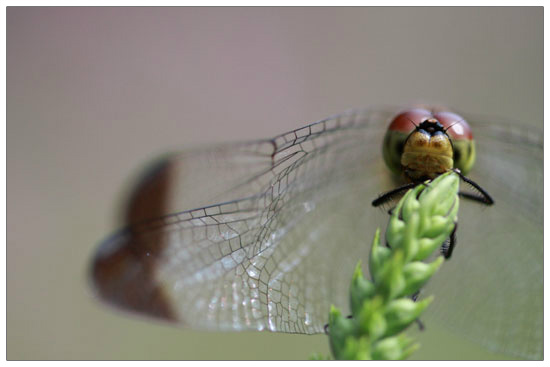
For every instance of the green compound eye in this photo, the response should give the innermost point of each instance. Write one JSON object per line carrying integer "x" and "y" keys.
{"x": 392, "y": 149}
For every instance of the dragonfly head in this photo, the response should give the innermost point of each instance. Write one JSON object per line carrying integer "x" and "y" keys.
{"x": 424, "y": 143}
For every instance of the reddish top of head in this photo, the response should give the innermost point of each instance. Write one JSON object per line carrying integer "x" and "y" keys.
{"x": 407, "y": 120}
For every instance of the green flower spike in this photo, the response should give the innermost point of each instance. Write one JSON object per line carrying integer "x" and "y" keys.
{"x": 382, "y": 307}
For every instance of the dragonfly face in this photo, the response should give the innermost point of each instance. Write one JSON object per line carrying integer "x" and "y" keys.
{"x": 425, "y": 143}
{"x": 265, "y": 235}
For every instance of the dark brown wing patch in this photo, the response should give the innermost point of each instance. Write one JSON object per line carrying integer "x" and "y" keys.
{"x": 123, "y": 270}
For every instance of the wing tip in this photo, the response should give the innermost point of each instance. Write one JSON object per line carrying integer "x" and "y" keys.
{"x": 123, "y": 275}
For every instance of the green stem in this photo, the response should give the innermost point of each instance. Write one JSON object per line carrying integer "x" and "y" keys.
{"x": 382, "y": 307}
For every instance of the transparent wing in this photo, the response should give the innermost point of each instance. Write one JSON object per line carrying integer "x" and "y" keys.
{"x": 294, "y": 219}
{"x": 491, "y": 290}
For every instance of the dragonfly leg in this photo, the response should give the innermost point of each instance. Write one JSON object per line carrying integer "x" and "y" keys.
{"x": 414, "y": 297}
{"x": 420, "y": 324}
{"x": 387, "y": 196}
{"x": 447, "y": 250}
{"x": 481, "y": 195}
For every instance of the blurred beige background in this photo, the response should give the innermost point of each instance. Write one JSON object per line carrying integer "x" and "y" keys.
{"x": 93, "y": 93}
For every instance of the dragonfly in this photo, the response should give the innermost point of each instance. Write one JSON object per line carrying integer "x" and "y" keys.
{"x": 265, "y": 235}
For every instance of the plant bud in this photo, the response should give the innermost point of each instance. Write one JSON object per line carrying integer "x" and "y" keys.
{"x": 402, "y": 312}
{"x": 418, "y": 273}
{"x": 361, "y": 290}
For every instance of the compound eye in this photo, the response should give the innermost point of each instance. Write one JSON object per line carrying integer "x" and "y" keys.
{"x": 457, "y": 155}
{"x": 455, "y": 125}
{"x": 407, "y": 120}
{"x": 392, "y": 149}
{"x": 399, "y": 147}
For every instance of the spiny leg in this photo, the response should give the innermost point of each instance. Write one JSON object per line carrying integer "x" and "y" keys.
{"x": 414, "y": 297}
{"x": 474, "y": 197}
{"x": 420, "y": 324}
{"x": 448, "y": 251}
{"x": 385, "y": 197}
{"x": 483, "y": 196}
